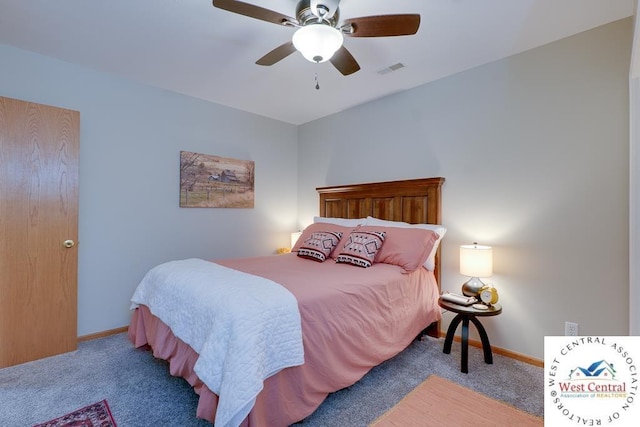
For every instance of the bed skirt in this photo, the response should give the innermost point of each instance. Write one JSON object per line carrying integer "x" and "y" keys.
{"x": 282, "y": 402}
{"x": 288, "y": 396}
{"x": 146, "y": 330}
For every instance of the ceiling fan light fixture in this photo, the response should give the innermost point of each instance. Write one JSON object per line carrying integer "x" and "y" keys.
{"x": 317, "y": 42}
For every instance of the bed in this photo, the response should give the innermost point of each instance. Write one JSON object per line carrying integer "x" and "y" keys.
{"x": 350, "y": 318}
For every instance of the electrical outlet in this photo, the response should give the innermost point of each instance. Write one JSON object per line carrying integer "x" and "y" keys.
{"x": 570, "y": 329}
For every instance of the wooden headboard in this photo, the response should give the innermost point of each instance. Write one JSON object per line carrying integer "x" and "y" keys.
{"x": 413, "y": 200}
{"x": 416, "y": 201}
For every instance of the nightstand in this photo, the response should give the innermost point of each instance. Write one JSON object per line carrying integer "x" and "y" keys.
{"x": 464, "y": 315}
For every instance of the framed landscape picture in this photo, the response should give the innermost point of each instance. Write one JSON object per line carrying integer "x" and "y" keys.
{"x": 215, "y": 182}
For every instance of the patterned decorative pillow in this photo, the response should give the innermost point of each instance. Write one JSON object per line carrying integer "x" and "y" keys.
{"x": 322, "y": 227}
{"x": 361, "y": 248}
{"x": 319, "y": 245}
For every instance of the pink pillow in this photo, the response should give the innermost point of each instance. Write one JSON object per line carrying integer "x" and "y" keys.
{"x": 408, "y": 248}
{"x": 319, "y": 245}
{"x": 361, "y": 247}
{"x": 322, "y": 227}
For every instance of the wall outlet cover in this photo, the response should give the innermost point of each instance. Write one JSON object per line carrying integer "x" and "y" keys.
{"x": 570, "y": 329}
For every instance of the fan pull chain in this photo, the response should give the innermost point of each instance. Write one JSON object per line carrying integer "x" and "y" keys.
{"x": 317, "y": 84}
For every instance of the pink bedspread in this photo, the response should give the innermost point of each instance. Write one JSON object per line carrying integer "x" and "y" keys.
{"x": 352, "y": 320}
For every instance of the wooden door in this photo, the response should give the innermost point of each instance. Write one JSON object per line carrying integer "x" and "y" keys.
{"x": 38, "y": 212}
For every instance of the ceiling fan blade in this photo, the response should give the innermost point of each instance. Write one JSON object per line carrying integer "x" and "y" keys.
{"x": 344, "y": 61}
{"x": 383, "y": 25}
{"x": 277, "y": 54}
{"x": 253, "y": 11}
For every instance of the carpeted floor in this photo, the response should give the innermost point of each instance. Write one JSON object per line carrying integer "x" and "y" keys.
{"x": 141, "y": 392}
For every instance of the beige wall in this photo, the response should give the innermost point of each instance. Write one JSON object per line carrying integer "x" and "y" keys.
{"x": 534, "y": 149}
{"x": 131, "y": 136}
{"x": 634, "y": 182}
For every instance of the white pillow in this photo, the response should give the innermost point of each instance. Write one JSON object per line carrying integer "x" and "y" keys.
{"x": 430, "y": 263}
{"x": 345, "y": 222}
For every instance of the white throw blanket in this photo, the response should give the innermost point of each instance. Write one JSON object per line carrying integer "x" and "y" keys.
{"x": 244, "y": 327}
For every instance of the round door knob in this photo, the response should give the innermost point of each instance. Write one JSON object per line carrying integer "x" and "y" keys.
{"x": 69, "y": 243}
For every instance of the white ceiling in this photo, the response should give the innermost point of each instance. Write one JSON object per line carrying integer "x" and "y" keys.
{"x": 190, "y": 47}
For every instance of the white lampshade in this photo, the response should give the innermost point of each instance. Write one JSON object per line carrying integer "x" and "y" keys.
{"x": 317, "y": 42}
{"x": 476, "y": 260}
{"x": 294, "y": 238}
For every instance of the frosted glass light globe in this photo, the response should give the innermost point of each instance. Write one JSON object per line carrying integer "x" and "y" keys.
{"x": 317, "y": 42}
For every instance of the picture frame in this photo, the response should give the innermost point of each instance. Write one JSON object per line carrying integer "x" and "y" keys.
{"x": 209, "y": 181}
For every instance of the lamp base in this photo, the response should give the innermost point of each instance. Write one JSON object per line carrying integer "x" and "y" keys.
{"x": 471, "y": 287}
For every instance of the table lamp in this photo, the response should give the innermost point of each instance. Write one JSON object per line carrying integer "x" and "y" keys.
{"x": 476, "y": 261}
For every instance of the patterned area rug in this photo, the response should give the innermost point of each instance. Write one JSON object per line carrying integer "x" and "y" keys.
{"x": 96, "y": 415}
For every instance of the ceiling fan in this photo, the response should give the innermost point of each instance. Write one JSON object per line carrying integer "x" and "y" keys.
{"x": 319, "y": 35}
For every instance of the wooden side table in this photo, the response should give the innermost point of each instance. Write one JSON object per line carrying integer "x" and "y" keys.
{"x": 464, "y": 315}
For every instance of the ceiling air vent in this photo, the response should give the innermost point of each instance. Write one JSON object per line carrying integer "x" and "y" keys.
{"x": 391, "y": 68}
